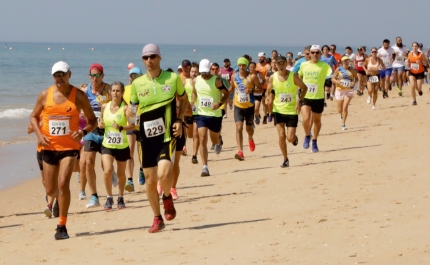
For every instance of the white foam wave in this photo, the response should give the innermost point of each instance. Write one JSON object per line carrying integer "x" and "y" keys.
{"x": 15, "y": 113}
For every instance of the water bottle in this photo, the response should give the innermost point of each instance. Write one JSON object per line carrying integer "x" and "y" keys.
{"x": 133, "y": 108}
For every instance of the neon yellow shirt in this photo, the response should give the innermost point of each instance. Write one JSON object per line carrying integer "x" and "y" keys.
{"x": 207, "y": 95}
{"x": 314, "y": 75}
{"x": 113, "y": 138}
{"x": 285, "y": 95}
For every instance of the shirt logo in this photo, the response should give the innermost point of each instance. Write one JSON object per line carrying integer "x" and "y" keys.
{"x": 144, "y": 93}
{"x": 68, "y": 108}
{"x": 166, "y": 88}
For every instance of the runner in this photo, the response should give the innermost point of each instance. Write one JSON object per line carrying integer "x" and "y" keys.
{"x": 289, "y": 64}
{"x": 192, "y": 128}
{"x": 206, "y": 94}
{"x": 313, "y": 73}
{"x": 263, "y": 67}
{"x": 407, "y": 69}
{"x": 416, "y": 62}
{"x": 244, "y": 83}
{"x": 155, "y": 92}
{"x": 371, "y": 66}
{"x": 345, "y": 78}
{"x": 226, "y": 73}
{"x": 186, "y": 72}
{"x": 351, "y": 56}
{"x": 258, "y": 96}
{"x": 98, "y": 94}
{"x": 387, "y": 55}
{"x": 282, "y": 89}
{"x": 400, "y": 51}
{"x": 332, "y": 62}
{"x": 115, "y": 144}
{"x": 59, "y": 136}
{"x": 275, "y": 54}
{"x": 360, "y": 57}
{"x": 306, "y": 57}
{"x": 133, "y": 136}
{"x": 336, "y": 55}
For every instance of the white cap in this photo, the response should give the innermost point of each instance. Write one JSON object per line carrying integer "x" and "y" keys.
{"x": 180, "y": 67}
{"x": 300, "y": 54}
{"x": 204, "y": 66}
{"x": 315, "y": 47}
{"x": 60, "y": 67}
{"x": 261, "y": 54}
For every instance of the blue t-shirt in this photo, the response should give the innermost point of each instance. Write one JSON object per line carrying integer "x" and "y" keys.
{"x": 298, "y": 63}
{"x": 330, "y": 60}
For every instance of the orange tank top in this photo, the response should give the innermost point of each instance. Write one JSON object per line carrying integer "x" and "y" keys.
{"x": 263, "y": 71}
{"x": 416, "y": 68}
{"x": 59, "y": 120}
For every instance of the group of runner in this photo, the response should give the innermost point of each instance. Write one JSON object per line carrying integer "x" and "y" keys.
{"x": 157, "y": 111}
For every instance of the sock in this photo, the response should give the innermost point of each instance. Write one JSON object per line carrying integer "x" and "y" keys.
{"x": 130, "y": 179}
{"x": 159, "y": 217}
{"x": 62, "y": 220}
{"x": 95, "y": 194}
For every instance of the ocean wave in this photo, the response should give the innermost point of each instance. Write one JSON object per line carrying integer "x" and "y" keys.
{"x": 15, "y": 113}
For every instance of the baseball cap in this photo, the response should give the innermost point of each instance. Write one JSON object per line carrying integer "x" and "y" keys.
{"x": 300, "y": 54}
{"x": 96, "y": 66}
{"x": 186, "y": 63}
{"x": 151, "y": 49}
{"x": 261, "y": 54}
{"x": 179, "y": 66}
{"x": 204, "y": 66}
{"x": 226, "y": 60}
{"x": 60, "y": 67}
{"x": 135, "y": 70}
{"x": 360, "y": 48}
{"x": 280, "y": 59}
{"x": 315, "y": 47}
{"x": 345, "y": 58}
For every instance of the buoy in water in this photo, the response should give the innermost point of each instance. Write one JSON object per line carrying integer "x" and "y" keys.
{"x": 49, "y": 49}
{"x": 194, "y": 50}
{"x": 63, "y": 49}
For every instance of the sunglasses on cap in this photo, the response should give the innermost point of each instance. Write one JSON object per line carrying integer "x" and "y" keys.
{"x": 152, "y": 56}
{"x": 59, "y": 74}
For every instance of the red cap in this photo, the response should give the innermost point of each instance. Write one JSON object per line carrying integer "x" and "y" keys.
{"x": 96, "y": 66}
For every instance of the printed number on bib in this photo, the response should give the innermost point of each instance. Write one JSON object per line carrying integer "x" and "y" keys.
{"x": 399, "y": 58}
{"x": 137, "y": 122}
{"x": 285, "y": 97}
{"x": 387, "y": 64}
{"x": 345, "y": 82}
{"x": 373, "y": 79}
{"x": 206, "y": 102}
{"x": 226, "y": 76}
{"x": 243, "y": 97}
{"x": 115, "y": 138}
{"x": 98, "y": 114}
{"x": 312, "y": 88}
{"x": 194, "y": 108}
{"x": 59, "y": 127}
{"x": 360, "y": 64}
{"x": 415, "y": 66}
{"x": 154, "y": 128}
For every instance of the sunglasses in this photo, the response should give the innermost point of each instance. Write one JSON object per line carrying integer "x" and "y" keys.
{"x": 95, "y": 75}
{"x": 289, "y": 57}
{"x": 59, "y": 74}
{"x": 374, "y": 51}
{"x": 315, "y": 53}
{"x": 152, "y": 56}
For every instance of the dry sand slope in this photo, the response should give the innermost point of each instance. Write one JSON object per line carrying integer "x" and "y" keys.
{"x": 361, "y": 200}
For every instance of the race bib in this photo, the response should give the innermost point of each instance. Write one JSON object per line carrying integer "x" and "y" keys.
{"x": 351, "y": 64}
{"x": 206, "y": 102}
{"x": 59, "y": 127}
{"x": 285, "y": 97}
{"x": 373, "y": 79}
{"x": 154, "y": 128}
{"x": 312, "y": 88}
{"x": 137, "y": 122}
{"x": 115, "y": 138}
{"x": 399, "y": 58}
{"x": 360, "y": 64}
{"x": 226, "y": 76}
{"x": 243, "y": 98}
{"x": 415, "y": 66}
{"x": 194, "y": 108}
{"x": 345, "y": 83}
{"x": 387, "y": 64}
{"x": 98, "y": 114}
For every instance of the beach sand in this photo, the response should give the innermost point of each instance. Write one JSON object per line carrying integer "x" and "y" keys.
{"x": 360, "y": 200}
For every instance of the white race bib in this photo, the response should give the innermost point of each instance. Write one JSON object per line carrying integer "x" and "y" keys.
{"x": 59, "y": 127}
{"x": 154, "y": 128}
{"x": 345, "y": 83}
{"x": 351, "y": 64}
{"x": 243, "y": 97}
{"x": 360, "y": 64}
{"x": 226, "y": 77}
{"x": 98, "y": 114}
{"x": 206, "y": 102}
{"x": 373, "y": 79}
{"x": 312, "y": 88}
{"x": 115, "y": 138}
{"x": 137, "y": 122}
{"x": 285, "y": 97}
{"x": 415, "y": 66}
{"x": 387, "y": 64}
{"x": 399, "y": 58}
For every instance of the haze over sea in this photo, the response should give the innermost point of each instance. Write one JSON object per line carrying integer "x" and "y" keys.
{"x": 25, "y": 70}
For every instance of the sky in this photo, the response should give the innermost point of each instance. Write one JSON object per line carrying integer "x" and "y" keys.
{"x": 220, "y": 22}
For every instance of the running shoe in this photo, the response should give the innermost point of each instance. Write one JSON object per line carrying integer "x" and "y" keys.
{"x": 169, "y": 208}
{"x": 61, "y": 232}
{"x": 400, "y": 92}
{"x": 129, "y": 186}
{"x": 286, "y": 163}
{"x": 414, "y": 103}
{"x": 225, "y": 116}
{"x": 109, "y": 203}
{"x": 314, "y": 146}
{"x": 257, "y": 119}
{"x": 369, "y": 100}
{"x": 184, "y": 151}
{"x": 114, "y": 179}
{"x": 78, "y": 176}
{"x": 218, "y": 148}
{"x": 220, "y": 140}
{"x": 344, "y": 127}
{"x": 82, "y": 195}
{"x": 383, "y": 94}
{"x": 390, "y": 87}
{"x": 120, "y": 204}
{"x": 141, "y": 177}
{"x": 251, "y": 145}
{"x": 212, "y": 147}
{"x": 205, "y": 172}
{"x": 306, "y": 142}
{"x": 325, "y": 104}
{"x": 239, "y": 156}
{"x": 157, "y": 225}
{"x": 380, "y": 89}
{"x": 420, "y": 93}
{"x": 48, "y": 211}
{"x": 373, "y": 107}
{"x": 56, "y": 209}
{"x": 265, "y": 120}
{"x": 194, "y": 160}
{"x": 94, "y": 202}
{"x": 296, "y": 142}
{"x": 159, "y": 188}
{"x": 270, "y": 117}
{"x": 174, "y": 194}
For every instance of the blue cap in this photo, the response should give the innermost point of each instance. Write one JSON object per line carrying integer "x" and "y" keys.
{"x": 135, "y": 70}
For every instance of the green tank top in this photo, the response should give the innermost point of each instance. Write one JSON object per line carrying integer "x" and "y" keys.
{"x": 189, "y": 90}
{"x": 113, "y": 138}
{"x": 285, "y": 95}
{"x": 207, "y": 95}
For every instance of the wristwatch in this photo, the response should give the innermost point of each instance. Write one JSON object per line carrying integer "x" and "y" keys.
{"x": 220, "y": 104}
{"x": 301, "y": 102}
{"x": 120, "y": 128}
{"x": 84, "y": 132}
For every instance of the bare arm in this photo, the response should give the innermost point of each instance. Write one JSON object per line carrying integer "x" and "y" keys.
{"x": 35, "y": 116}
{"x": 269, "y": 95}
{"x": 257, "y": 84}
